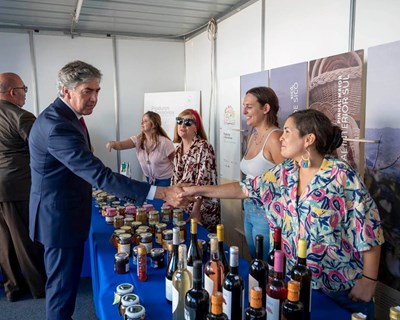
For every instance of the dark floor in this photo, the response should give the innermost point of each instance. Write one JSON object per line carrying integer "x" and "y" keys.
{"x": 28, "y": 308}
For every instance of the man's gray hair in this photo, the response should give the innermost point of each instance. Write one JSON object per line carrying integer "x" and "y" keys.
{"x": 75, "y": 73}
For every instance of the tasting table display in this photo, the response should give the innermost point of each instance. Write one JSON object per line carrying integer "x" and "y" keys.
{"x": 152, "y": 291}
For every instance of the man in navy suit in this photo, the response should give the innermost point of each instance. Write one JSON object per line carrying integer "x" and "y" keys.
{"x": 64, "y": 169}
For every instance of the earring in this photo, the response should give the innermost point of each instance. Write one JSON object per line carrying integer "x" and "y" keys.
{"x": 305, "y": 162}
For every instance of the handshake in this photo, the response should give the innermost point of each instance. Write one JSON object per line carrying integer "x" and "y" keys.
{"x": 179, "y": 195}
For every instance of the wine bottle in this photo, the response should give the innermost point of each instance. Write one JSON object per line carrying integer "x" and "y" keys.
{"x": 216, "y": 307}
{"x": 276, "y": 290}
{"x": 213, "y": 270}
{"x": 233, "y": 288}
{"x": 172, "y": 265}
{"x": 222, "y": 255}
{"x": 256, "y": 311}
{"x": 258, "y": 270}
{"x": 292, "y": 308}
{"x": 271, "y": 255}
{"x": 194, "y": 252}
{"x": 197, "y": 299}
{"x": 181, "y": 283}
{"x": 303, "y": 274}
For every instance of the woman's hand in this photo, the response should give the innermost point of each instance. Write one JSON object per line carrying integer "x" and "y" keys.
{"x": 363, "y": 290}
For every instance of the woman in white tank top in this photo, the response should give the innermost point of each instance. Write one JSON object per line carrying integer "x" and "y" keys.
{"x": 263, "y": 152}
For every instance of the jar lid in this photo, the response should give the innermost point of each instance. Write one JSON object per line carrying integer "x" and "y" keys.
{"x": 135, "y": 311}
{"x": 129, "y": 299}
{"x": 167, "y": 232}
{"x": 156, "y": 252}
{"x": 130, "y": 219}
{"x": 121, "y": 256}
{"x": 161, "y": 225}
{"x": 180, "y": 223}
{"x": 110, "y": 212}
{"x": 119, "y": 231}
{"x": 177, "y": 210}
{"x": 141, "y": 210}
{"x": 130, "y": 209}
{"x": 124, "y": 236}
{"x": 136, "y": 223}
{"x": 145, "y": 236}
{"x": 118, "y": 217}
{"x": 124, "y": 288}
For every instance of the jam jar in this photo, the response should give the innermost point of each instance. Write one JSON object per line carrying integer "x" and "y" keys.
{"x": 157, "y": 258}
{"x": 121, "y": 290}
{"x": 124, "y": 241}
{"x": 127, "y": 300}
{"x": 130, "y": 211}
{"x": 121, "y": 263}
{"x": 177, "y": 215}
{"x": 128, "y": 221}
{"x": 141, "y": 215}
{"x": 114, "y": 237}
{"x": 118, "y": 221}
{"x": 182, "y": 229}
{"x": 121, "y": 210}
{"x": 160, "y": 227}
{"x": 146, "y": 240}
{"x": 127, "y": 229}
{"x": 166, "y": 214}
{"x": 167, "y": 236}
{"x": 136, "y": 312}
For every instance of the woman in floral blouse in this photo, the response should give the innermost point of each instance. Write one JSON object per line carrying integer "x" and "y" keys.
{"x": 314, "y": 196}
{"x": 195, "y": 164}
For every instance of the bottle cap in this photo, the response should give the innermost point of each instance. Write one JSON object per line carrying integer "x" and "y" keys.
{"x": 277, "y": 234}
{"x": 129, "y": 299}
{"x": 293, "y": 290}
{"x": 197, "y": 274}
{"x": 278, "y": 261}
{"x": 256, "y": 297}
{"x": 302, "y": 250}
{"x": 216, "y": 303}
{"x": 220, "y": 232}
{"x": 193, "y": 225}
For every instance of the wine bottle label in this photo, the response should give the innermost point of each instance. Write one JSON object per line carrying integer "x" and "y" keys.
{"x": 253, "y": 283}
{"x": 227, "y": 305}
{"x": 168, "y": 289}
{"x": 273, "y": 307}
{"x": 175, "y": 298}
{"x": 208, "y": 285}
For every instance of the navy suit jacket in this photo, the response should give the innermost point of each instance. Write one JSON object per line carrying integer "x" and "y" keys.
{"x": 63, "y": 172}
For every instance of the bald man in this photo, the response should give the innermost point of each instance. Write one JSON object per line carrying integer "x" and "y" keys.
{"x": 21, "y": 260}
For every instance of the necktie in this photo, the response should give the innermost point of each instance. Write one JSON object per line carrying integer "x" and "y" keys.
{"x": 82, "y": 121}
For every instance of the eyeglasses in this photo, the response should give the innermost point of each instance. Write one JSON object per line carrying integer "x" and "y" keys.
{"x": 185, "y": 122}
{"x": 25, "y": 88}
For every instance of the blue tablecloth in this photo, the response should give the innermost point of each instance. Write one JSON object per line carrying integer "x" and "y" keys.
{"x": 152, "y": 291}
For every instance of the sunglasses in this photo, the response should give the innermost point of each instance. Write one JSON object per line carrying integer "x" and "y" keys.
{"x": 185, "y": 122}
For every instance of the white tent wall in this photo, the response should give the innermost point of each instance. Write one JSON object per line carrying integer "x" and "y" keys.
{"x": 140, "y": 65}
{"x": 295, "y": 31}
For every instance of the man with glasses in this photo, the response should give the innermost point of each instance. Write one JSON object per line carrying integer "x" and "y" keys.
{"x": 21, "y": 260}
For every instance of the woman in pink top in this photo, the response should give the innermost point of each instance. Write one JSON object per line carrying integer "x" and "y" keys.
{"x": 154, "y": 150}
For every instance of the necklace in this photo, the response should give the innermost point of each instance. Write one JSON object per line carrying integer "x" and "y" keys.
{"x": 149, "y": 149}
{"x": 258, "y": 139}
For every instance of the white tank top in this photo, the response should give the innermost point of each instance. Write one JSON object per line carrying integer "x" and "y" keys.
{"x": 257, "y": 165}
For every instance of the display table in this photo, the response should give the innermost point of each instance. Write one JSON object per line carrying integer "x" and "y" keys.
{"x": 152, "y": 291}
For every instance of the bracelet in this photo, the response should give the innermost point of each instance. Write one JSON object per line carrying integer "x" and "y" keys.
{"x": 369, "y": 278}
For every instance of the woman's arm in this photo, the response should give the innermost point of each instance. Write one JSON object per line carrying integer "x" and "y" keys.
{"x": 224, "y": 191}
{"x": 364, "y": 288}
{"x": 120, "y": 145}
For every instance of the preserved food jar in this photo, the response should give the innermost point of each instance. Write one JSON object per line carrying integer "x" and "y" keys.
{"x": 114, "y": 237}
{"x": 157, "y": 258}
{"x": 177, "y": 215}
{"x": 160, "y": 227}
{"x": 166, "y": 214}
{"x": 136, "y": 312}
{"x": 130, "y": 211}
{"x": 146, "y": 240}
{"x": 121, "y": 290}
{"x": 124, "y": 241}
{"x": 118, "y": 221}
{"x": 182, "y": 229}
{"x": 127, "y": 300}
{"x": 167, "y": 236}
{"x": 141, "y": 215}
{"x": 110, "y": 214}
{"x": 121, "y": 263}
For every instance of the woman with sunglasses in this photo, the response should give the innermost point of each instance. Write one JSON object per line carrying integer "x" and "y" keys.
{"x": 260, "y": 107}
{"x": 154, "y": 150}
{"x": 195, "y": 164}
{"x": 317, "y": 197}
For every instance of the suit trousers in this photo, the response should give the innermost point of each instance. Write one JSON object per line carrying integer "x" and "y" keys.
{"x": 63, "y": 268}
{"x": 21, "y": 260}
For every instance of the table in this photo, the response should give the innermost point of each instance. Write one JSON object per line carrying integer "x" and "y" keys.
{"x": 152, "y": 291}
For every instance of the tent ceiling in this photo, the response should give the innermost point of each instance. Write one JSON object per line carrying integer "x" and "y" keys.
{"x": 146, "y": 18}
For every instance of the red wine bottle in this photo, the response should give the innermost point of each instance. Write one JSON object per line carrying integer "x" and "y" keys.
{"x": 216, "y": 307}
{"x": 303, "y": 274}
{"x": 197, "y": 300}
{"x": 258, "y": 270}
{"x": 233, "y": 288}
{"x": 256, "y": 311}
{"x": 292, "y": 308}
{"x": 271, "y": 255}
{"x": 276, "y": 290}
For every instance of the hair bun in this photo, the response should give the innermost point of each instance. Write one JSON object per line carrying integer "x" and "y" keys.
{"x": 337, "y": 138}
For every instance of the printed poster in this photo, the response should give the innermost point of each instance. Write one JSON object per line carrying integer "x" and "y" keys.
{"x": 382, "y": 160}
{"x": 229, "y": 138}
{"x": 290, "y": 85}
{"x": 336, "y": 89}
{"x": 169, "y": 104}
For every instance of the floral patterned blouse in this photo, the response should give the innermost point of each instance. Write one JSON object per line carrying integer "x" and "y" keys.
{"x": 336, "y": 215}
{"x": 198, "y": 166}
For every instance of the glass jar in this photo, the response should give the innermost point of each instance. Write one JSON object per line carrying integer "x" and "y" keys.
{"x": 177, "y": 215}
{"x": 136, "y": 236}
{"x": 121, "y": 263}
{"x": 128, "y": 221}
{"x": 121, "y": 210}
{"x": 148, "y": 206}
{"x": 115, "y": 204}
{"x": 110, "y": 214}
{"x": 130, "y": 211}
{"x": 160, "y": 227}
{"x": 127, "y": 229}
{"x": 127, "y": 300}
{"x": 166, "y": 214}
{"x": 182, "y": 229}
{"x": 143, "y": 229}
{"x": 154, "y": 217}
{"x": 141, "y": 215}
{"x": 124, "y": 242}
{"x": 118, "y": 221}
{"x": 114, "y": 237}
{"x": 136, "y": 312}
{"x": 167, "y": 236}
{"x": 121, "y": 290}
{"x": 157, "y": 258}
{"x": 146, "y": 240}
